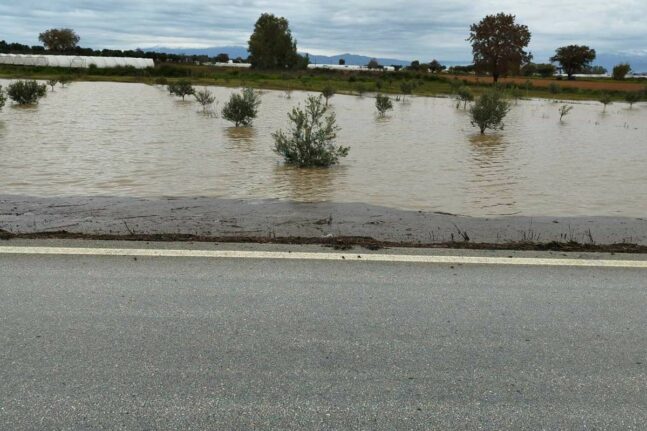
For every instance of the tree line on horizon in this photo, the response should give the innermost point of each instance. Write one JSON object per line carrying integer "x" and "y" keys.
{"x": 499, "y": 48}
{"x": 64, "y": 41}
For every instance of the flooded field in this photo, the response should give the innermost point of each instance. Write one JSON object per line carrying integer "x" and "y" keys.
{"x": 136, "y": 140}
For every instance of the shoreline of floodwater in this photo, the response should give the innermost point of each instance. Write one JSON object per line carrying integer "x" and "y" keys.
{"x": 327, "y": 223}
{"x": 343, "y": 83}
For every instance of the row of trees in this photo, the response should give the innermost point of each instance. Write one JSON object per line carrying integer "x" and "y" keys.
{"x": 65, "y": 41}
{"x": 499, "y": 47}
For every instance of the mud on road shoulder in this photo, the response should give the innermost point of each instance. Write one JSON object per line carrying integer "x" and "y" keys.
{"x": 338, "y": 225}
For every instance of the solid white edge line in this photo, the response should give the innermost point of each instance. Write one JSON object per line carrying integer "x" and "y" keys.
{"x": 352, "y": 257}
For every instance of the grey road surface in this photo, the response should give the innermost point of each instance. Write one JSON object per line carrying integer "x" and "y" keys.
{"x": 118, "y": 343}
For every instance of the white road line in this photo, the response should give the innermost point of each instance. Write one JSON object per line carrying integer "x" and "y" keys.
{"x": 352, "y": 257}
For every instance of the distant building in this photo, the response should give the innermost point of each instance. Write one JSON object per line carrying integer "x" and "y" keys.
{"x": 230, "y": 63}
{"x": 349, "y": 67}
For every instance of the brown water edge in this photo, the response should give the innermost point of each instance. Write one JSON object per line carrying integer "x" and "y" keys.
{"x": 338, "y": 225}
{"x": 135, "y": 140}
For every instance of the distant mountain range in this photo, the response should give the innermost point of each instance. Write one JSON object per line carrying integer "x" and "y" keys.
{"x": 638, "y": 62}
{"x": 239, "y": 51}
{"x": 231, "y": 51}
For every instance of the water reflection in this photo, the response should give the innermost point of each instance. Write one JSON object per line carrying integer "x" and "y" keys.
{"x": 307, "y": 185}
{"x": 492, "y": 185}
{"x": 487, "y": 147}
{"x": 19, "y": 108}
{"x": 382, "y": 119}
{"x": 241, "y": 138}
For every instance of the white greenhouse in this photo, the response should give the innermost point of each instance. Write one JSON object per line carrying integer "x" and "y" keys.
{"x": 74, "y": 61}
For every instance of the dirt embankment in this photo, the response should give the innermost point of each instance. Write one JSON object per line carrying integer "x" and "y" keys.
{"x": 334, "y": 224}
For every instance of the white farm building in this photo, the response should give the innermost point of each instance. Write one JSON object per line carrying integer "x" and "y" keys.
{"x": 74, "y": 61}
{"x": 350, "y": 67}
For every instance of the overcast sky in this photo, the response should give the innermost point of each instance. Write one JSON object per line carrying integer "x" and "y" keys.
{"x": 396, "y": 28}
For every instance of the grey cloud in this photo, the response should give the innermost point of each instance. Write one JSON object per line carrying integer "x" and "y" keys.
{"x": 405, "y": 29}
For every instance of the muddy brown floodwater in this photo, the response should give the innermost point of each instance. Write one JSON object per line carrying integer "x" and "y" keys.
{"x": 136, "y": 140}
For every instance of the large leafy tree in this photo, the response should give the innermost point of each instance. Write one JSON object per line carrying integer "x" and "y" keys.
{"x": 436, "y": 67}
{"x": 271, "y": 45}
{"x": 498, "y": 44}
{"x": 59, "y": 39}
{"x": 573, "y": 58}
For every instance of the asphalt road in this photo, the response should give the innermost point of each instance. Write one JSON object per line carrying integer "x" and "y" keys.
{"x": 175, "y": 343}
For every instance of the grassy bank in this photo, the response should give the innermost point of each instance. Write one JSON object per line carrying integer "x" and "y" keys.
{"x": 344, "y": 82}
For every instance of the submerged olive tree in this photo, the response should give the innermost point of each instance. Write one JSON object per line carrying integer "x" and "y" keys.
{"x": 631, "y": 98}
{"x": 383, "y": 103}
{"x": 516, "y": 94}
{"x": 489, "y": 111}
{"x": 63, "y": 80}
{"x": 3, "y": 98}
{"x": 181, "y": 88}
{"x": 310, "y": 142}
{"x": 605, "y": 99}
{"x": 52, "y": 83}
{"x": 205, "y": 98}
{"x": 406, "y": 87}
{"x": 26, "y": 92}
{"x": 327, "y": 93}
{"x": 464, "y": 95}
{"x": 564, "y": 110}
{"x": 241, "y": 109}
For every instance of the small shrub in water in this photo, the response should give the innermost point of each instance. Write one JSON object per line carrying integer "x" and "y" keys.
{"x": 605, "y": 99}
{"x": 564, "y": 110}
{"x": 242, "y": 107}
{"x": 464, "y": 95}
{"x": 383, "y": 103}
{"x": 489, "y": 111}
{"x": 406, "y": 87}
{"x": 181, "y": 88}
{"x": 3, "y": 98}
{"x": 64, "y": 80}
{"x": 327, "y": 93}
{"x": 205, "y": 98}
{"x": 455, "y": 84}
{"x": 52, "y": 83}
{"x": 26, "y": 92}
{"x": 631, "y": 98}
{"x": 515, "y": 93}
{"x": 310, "y": 142}
{"x": 360, "y": 88}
